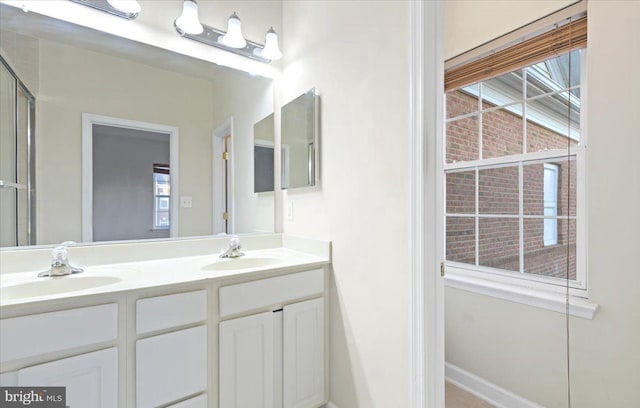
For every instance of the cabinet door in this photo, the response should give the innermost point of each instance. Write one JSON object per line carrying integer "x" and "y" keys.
{"x": 246, "y": 362}
{"x": 171, "y": 366}
{"x": 91, "y": 379}
{"x": 303, "y": 354}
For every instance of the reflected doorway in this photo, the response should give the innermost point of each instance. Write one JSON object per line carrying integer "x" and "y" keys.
{"x": 223, "y": 203}
{"x": 129, "y": 180}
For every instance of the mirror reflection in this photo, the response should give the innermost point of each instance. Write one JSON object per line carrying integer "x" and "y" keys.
{"x": 299, "y": 133}
{"x": 124, "y": 99}
{"x": 263, "y": 159}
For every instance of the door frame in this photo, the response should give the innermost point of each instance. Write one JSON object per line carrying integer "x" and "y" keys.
{"x": 427, "y": 198}
{"x": 223, "y": 130}
{"x": 90, "y": 119}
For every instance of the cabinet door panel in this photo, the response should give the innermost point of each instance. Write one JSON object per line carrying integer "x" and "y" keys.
{"x": 303, "y": 345}
{"x": 171, "y": 366}
{"x": 91, "y": 379}
{"x": 246, "y": 362}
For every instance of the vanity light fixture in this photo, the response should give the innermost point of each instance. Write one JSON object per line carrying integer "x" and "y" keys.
{"x": 232, "y": 40}
{"x": 126, "y": 6}
{"x": 271, "y": 50}
{"x": 189, "y": 22}
{"x": 128, "y": 9}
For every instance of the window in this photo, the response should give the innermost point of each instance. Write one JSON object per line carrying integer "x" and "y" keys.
{"x": 162, "y": 196}
{"x": 514, "y": 156}
{"x": 550, "y": 195}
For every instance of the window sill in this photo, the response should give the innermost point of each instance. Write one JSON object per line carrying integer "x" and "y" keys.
{"x": 542, "y": 299}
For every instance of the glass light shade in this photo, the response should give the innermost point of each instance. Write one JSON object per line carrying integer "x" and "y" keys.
{"x": 126, "y": 6}
{"x": 234, "y": 38}
{"x": 188, "y": 21}
{"x": 271, "y": 50}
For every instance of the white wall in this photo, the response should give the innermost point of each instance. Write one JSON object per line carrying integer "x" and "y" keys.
{"x": 522, "y": 348}
{"x": 356, "y": 54}
{"x": 470, "y": 23}
{"x": 21, "y": 53}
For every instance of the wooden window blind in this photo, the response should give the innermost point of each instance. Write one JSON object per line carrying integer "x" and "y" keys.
{"x": 560, "y": 40}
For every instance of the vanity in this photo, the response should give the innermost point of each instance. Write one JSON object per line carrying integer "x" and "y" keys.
{"x": 168, "y": 323}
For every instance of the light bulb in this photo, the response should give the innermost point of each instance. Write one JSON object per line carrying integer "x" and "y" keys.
{"x": 234, "y": 38}
{"x": 271, "y": 50}
{"x": 126, "y": 6}
{"x": 189, "y": 22}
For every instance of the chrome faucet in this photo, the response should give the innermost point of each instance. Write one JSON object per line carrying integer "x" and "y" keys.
{"x": 234, "y": 248}
{"x": 60, "y": 265}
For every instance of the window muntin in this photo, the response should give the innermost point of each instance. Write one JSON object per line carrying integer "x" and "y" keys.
{"x": 518, "y": 130}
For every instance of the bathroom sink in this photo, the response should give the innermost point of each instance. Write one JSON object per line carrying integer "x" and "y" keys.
{"x": 232, "y": 264}
{"x": 52, "y": 286}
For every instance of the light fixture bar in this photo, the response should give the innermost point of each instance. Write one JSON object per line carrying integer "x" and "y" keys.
{"x": 103, "y": 5}
{"x": 211, "y": 35}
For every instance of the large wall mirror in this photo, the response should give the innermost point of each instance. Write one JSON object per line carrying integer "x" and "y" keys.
{"x": 171, "y": 137}
{"x": 300, "y": 136}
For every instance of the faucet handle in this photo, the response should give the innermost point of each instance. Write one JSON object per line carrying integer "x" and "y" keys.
{"x": 59, "y": 254}
{"x": 234, "y": 241}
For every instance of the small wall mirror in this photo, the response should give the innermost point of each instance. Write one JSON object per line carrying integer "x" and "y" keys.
{"x": 263, "y": 158}
{"x": 300, "y": 134}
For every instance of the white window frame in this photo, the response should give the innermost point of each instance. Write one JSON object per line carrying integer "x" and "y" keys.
{"x": 464, "y": 275}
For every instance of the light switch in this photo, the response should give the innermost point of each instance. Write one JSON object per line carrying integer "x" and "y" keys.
{"x": 186, "y": 202}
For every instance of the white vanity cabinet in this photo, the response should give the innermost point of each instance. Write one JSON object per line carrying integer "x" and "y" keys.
{"x": 273, "y": 359}
{"x": 246, "y": 339}
{"x": 38, "y": 340}
{"x": 171, "y": 366}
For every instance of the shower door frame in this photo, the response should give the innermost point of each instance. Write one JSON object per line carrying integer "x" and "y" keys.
{"x": 31, "y": 157}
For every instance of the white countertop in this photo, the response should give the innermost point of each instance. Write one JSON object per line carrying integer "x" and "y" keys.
{"x": 24, "y": 287}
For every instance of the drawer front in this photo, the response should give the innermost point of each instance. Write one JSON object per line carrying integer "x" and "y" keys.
{"x": 264, "y": 292}
{"x": 164, "y": 312}
{"x": 198, "y": 402}
{"x": 171, "y": 366}
{"x": 91, "y": 380}
{"x": 38, "y": 334}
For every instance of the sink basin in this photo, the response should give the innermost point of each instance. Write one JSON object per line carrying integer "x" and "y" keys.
{"x": 233, "y": 264}
{"x": 52, "y": 286}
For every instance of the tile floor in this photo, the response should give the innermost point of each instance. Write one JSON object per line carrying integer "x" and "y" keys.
{"x": 458, "y": 398}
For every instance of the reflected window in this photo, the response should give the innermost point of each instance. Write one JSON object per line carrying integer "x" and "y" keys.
{"x": 162, "y": 196}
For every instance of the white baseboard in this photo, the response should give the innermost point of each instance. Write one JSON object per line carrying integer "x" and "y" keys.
{"x": 330, "y": 405}
{"x": 486, "y": 390}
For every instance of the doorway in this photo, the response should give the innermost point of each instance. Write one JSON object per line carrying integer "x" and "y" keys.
{"x": 129, "y": 180}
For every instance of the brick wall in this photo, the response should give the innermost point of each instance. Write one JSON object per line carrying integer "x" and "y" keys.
{"x": 498, "y": 193}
